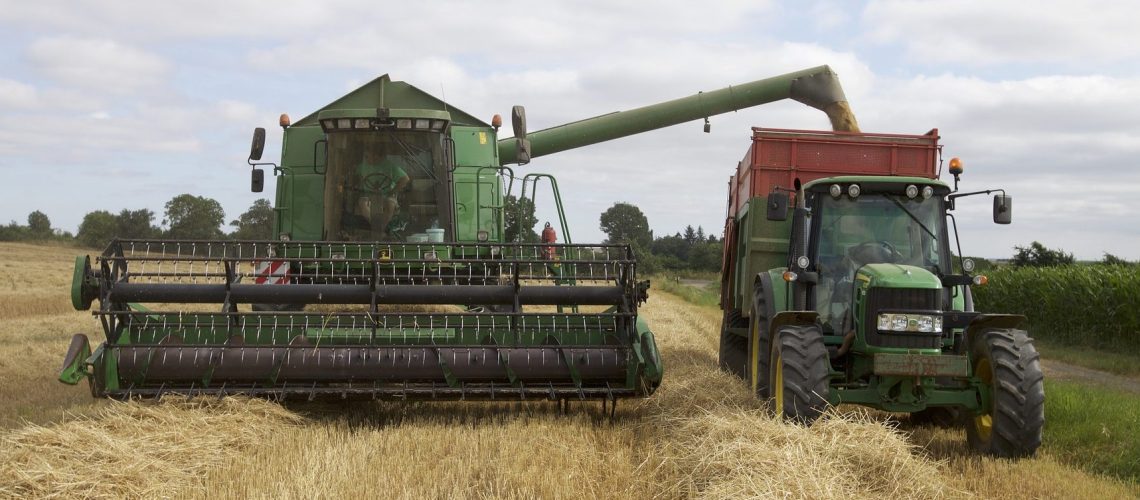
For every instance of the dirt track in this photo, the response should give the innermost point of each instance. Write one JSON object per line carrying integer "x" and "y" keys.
{"x": 1056, "y": 370}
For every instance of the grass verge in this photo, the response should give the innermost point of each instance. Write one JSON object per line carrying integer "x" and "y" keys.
{"x": 708, "y": 296}
{"x": 1093, "y": 428}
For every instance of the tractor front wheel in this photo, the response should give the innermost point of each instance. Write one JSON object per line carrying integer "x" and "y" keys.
{"x": 1009, "y": 369}
{"x": 799, "y": 373}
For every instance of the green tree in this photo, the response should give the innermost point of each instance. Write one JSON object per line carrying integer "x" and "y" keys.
{"x": 671, "y": 246}
{"x": 690, "y": 235}
{"x": 624, "y": 223}
{"x": 13, "y": 232}
{"x": 519, "y": 219}
{"x": 97, "y": 229}
{"x": 39, "y": 226}
{"x": 256, "y": 223}
{"x": 135, "y": 224}
{"x": 1036, "y": 255}
{"x": 706, "y": 256}
{"x": 1112, "y": 260}
{"x": 190, "y": 217}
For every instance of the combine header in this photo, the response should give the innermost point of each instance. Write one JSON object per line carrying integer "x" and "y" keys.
{"x": 391, "y": 276}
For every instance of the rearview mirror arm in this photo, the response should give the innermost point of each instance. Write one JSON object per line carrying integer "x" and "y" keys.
{"x": 955, "y": 196}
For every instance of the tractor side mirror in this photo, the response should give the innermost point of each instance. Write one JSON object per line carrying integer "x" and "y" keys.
{"x": 777, "y": 206}
{"x": 257, "y": 180}
{"x": 258, "y": 145}
{"x": 522, "y": 144}
{"x": 1003, "y": 209}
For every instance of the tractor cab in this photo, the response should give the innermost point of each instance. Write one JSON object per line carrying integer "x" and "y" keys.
{"x": 881, "y": 227}
{"x": 387, "y": 177}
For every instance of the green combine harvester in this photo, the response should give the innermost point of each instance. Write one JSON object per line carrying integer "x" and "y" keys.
{"x": 389, "y": 199}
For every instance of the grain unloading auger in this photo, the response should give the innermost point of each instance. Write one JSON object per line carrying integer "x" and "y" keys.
{"x": 389, "y": 198}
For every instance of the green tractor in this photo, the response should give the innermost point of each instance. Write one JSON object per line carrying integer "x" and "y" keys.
{"x": 858, "y": 298}
{"x": 390, "y": 212}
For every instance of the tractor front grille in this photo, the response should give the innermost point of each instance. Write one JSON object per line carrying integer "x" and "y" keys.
{"x": 901, "y": 300}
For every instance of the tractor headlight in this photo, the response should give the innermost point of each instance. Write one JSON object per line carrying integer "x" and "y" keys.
{"x": 924, "y": 323}
{"x": 927, "y": 192}
{"x": 835, "y": 191}
{"x": 911, "y": 191}
{"x": 483, "y": 236}
{"x": 284, "y": 237}
{"x": 853, "y": 190}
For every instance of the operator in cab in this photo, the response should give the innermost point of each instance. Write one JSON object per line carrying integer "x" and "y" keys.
{"x": 379, "y": 179}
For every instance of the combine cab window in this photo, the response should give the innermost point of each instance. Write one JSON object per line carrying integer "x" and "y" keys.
{"x": 385, "y": 186}
{"x": 874, "y": 228}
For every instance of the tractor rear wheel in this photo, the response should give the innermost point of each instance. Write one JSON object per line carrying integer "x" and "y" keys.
{"x": 799, "y": 373}
{"x": 1008, "y": 366}
{"x": 759, "y": 345}
{"x": 733, "y": 348}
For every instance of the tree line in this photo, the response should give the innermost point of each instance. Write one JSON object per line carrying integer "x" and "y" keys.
{"x": 691, "y": 250}
{"x": 185, "y": 217}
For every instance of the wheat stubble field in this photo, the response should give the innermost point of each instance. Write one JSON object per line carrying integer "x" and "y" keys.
{"x": 700, "y": 435}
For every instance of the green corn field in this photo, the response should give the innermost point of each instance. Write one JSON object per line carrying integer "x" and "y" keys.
{"x": 1082, "y": 305}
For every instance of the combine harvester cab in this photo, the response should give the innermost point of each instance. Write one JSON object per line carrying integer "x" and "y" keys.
{"x": 843, "y": 283}
{"x": 391, "y": 275}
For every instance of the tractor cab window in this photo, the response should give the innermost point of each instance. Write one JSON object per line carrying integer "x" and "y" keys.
{"x": 873, "y": 228}
{"x": 385, "y": 186}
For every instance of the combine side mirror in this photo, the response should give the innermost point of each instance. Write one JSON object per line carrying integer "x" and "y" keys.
{"x": 1003, "y": 209}
{"x": 258, "y": 144}
{"x": 777, "y": 206}
{"x": 257, "y": 180}
{"x": 522, "y": 145}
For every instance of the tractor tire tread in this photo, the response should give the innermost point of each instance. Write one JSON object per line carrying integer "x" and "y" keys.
{"x": 806, "y": 373}
{"x": 760, "y": 316}
{"x": 733, "y": 355}
{"x": 1019, "y": 395}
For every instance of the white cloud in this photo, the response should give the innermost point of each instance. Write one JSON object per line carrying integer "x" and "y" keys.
{"x": 17, "y": 95}
{"x": 99, "y": 65}
{"x": 983, "y": 32}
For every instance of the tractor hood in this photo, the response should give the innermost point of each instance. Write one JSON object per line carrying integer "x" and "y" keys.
{"x": 884, "y": 275}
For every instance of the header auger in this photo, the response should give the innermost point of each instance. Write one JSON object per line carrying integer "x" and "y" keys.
{"x": 390, "y": 276}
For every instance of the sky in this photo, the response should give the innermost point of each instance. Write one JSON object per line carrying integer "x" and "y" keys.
{"x": 124, "y": 105}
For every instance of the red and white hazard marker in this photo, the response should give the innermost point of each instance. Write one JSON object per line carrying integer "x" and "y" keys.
{"x": 271, "y": 272}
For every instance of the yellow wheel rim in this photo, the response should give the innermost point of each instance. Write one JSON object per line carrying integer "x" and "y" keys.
{"x": 778, "y": 383}
{"x": 984, "y": 424}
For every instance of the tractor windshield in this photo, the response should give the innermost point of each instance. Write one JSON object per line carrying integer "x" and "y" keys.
{"x": 385, "y": 186}
{"x": 873, "y": 228}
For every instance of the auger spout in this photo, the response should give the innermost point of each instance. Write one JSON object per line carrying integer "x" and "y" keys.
{"x": 817, "y": 87}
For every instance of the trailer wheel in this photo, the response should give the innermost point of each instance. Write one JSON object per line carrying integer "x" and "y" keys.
{"x": 759, "y": 345}
{"x": 1008, "y": 366}
{"x": 799, "y": 373}
{"x": 733, "y": 348}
